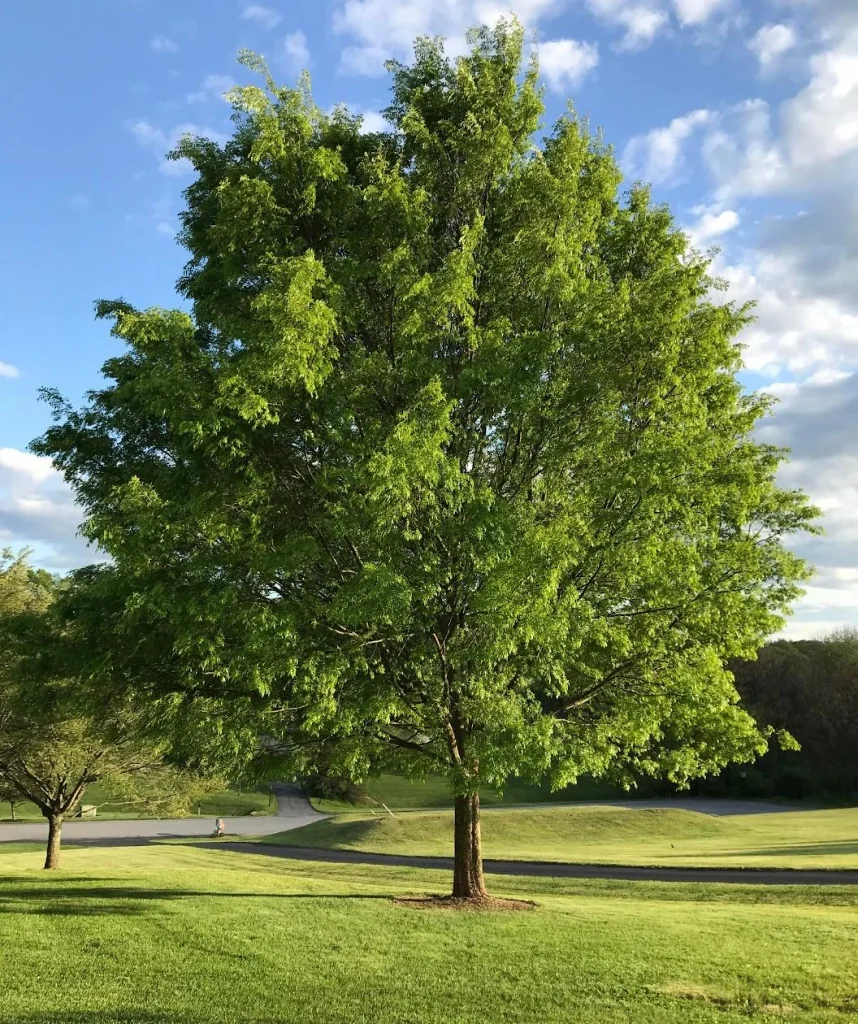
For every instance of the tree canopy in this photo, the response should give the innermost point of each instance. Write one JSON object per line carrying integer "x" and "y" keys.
{"x": 448, "y": 464}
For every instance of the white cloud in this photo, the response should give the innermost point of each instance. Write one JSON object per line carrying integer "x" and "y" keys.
{"x": 161, "y": 44}
{"x": 380, "y": 29}
{"x": 37, "y": 510}
{"x": 821, "y": 123}
{"x": 364, "y": 60}
{"x": 696, "y": 12}
{"x": 741, "y": 153}
{"x": 213, "y": 87}
{"x": 566, "y": 62}
{"x": 771, "y": 42}
{"x": 296, "y": 53}
{"x": 818, "y": 421}
{"x": 80, "y": 201}
{"x": 267, "y": 17}
{"x": 641, "y": 20}
{"x": 712, "y": 223}
{"x": 161, "y": 142}
{"x": 796, "y": 329}
{"x": 373, "y": 121}
{"x": 8, "y": 370}
{"x": 658, "y": 156}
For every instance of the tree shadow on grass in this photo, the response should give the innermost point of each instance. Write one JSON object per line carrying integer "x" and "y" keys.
{"x": 85, "y": 901}
{"x": 112, "y": 1017}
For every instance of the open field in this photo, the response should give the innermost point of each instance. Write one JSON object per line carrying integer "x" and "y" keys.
{"x": 401, "y": 794}
{"x": 229, "y": 803}
{"x": 177, "y": 935}
{"x": 603, "y": 835}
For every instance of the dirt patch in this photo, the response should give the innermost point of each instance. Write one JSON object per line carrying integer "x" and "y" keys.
{"x": 456, "y": 903}
{"x": 720, "y": 999}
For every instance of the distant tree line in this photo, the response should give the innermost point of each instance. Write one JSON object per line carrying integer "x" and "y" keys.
{"x": 810, "y": 689}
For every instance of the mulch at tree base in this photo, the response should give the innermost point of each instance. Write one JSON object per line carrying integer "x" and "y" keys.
{"x": 437, "y": 902}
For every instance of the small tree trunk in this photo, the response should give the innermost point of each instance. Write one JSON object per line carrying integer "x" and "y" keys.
{"x": 55, "y": 832}
{"x": 12, "y": 806}
{"x": 468, "y": 881}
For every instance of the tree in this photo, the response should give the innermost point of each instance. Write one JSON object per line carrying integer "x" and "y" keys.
{"x": 51, "y": 749}
{"x": 10, "y": 795}
{"x": 448, "y": 466}
{"x": 810, "y": 688}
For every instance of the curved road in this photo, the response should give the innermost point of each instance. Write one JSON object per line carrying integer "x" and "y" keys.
{"x": 293, "y": 811}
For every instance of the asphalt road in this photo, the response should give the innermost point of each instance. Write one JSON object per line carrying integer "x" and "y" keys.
{"x": 519, "y": 867}
{"x": 293, "y": 810}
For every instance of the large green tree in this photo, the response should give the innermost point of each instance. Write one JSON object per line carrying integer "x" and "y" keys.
{"x": 448, "y": 464}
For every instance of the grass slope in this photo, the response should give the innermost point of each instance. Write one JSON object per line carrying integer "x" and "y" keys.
{"x": 401, "y": 794}
{"x": 177, "y": 935}
{"x": 609, "y": 835}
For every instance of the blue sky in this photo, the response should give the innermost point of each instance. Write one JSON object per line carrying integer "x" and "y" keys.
{"x": 742, "y": 113}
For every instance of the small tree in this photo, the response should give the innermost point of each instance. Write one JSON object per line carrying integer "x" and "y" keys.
{"x": 449, "y": 467}
{"x": 52, "y": 748}
{"x": 10, "y": 795}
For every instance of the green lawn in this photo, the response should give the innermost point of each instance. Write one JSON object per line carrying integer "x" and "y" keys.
{"x": 403, "y": 795}
{"x": 230, "y": 803}
{"x": 178, "y": 935}
{"x": 609, "y": 835}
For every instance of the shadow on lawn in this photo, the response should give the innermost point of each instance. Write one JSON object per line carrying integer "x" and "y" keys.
{"x": 83, "y": 901}
{"x": 111, "y": 1017}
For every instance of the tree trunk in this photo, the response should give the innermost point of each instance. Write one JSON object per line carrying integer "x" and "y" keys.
{"x": 55, "y": 832}
{"x": 468, "y": 881}
{"x": 12, "y": 806}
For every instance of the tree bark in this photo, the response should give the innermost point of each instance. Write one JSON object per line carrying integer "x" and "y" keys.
{"x": 55, "y": 832}
{"x": 468, "y": 881}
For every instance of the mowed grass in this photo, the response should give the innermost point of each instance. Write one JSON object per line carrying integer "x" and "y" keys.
{"x": 608, "y": 835}
{"x": 401, "y": 794}
{"x": 178, "y": 935}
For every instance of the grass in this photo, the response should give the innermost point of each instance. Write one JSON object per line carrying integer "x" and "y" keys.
{"x": 608, "y": 835}
{"x": 401, "y": 794}
{"x": 229, "y": 803}
{"x": 178, "y": 935}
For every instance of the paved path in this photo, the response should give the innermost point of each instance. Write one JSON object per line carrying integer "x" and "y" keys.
{"x": 293, "y": 810}
{"x": 741, "y": 876}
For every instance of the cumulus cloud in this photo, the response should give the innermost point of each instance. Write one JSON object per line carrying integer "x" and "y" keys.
{"x": 696, "y": 12}
{"x": 658, "y": 156}
{"x": 818, "y": 422}
{"x": 213, "y": 87}
{"x": 712, "y": 223}
{"x": 161, "y": 44}
{"x": 379, "y": 29}
{"x": 8, "y": 370}
{"x": 161, "y": 142}
{"x": 296, "y": 53}
{"x": 267, "y": 17}
{"x": 771, "y": 42}
{"x": 37, "y": 510}
{"x": 565, "y": 63}
{"x": 641, "y": 21}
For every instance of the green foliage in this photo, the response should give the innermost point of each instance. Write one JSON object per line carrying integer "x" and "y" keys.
{"x": 447, "y": 468}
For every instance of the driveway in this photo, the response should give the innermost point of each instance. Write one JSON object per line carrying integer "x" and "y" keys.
{"x": 293, "y": 810}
